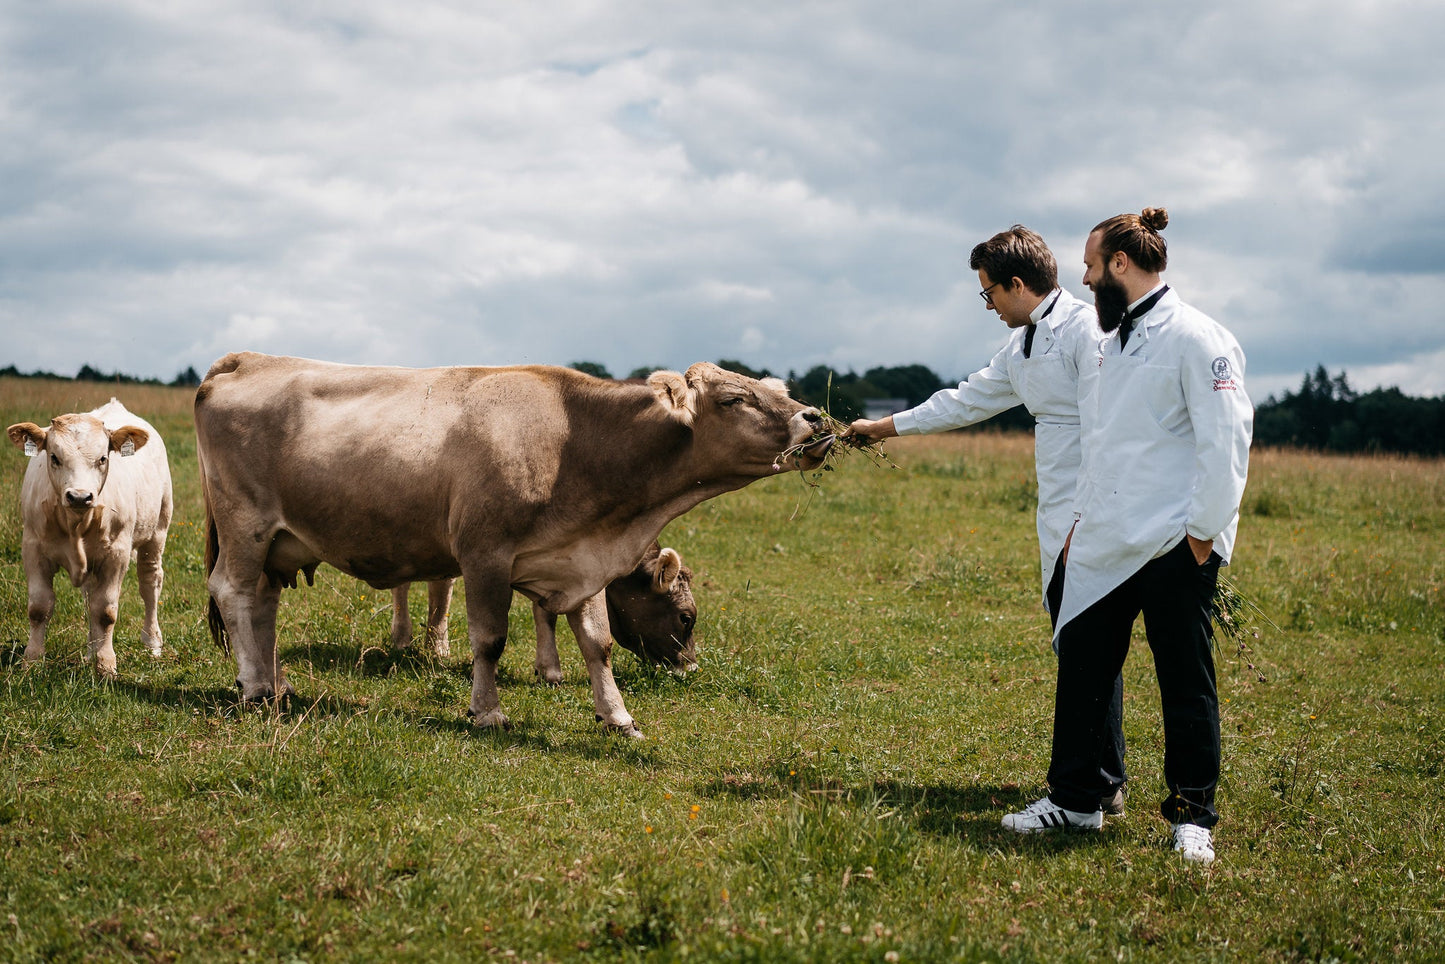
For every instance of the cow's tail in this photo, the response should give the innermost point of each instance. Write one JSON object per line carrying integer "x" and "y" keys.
{"x": 217, "y": 623}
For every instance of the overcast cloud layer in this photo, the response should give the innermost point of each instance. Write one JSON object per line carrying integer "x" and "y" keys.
{"x": 643, "y": 184}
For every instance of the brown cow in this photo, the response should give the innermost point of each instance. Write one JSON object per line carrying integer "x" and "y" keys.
{"x": 86, "y": 512}
{"x": 539, "y": 479}
{"x": 650, "y": 611}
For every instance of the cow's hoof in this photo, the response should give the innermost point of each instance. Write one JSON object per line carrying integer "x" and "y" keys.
{"x": 495, "y": 720}
{"x": 265, "y": 694}
{"x": 552, "y": 677}
{"x": 443, "y": 650}
{"x": 105, "y": 672}
{"x": 628, "y": 729}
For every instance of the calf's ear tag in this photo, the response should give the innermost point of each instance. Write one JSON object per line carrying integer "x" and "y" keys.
{"x": 31, "y": 449}
{"x": 127, "y": 448}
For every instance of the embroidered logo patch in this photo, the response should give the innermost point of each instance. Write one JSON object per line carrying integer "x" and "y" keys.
{"x": 1223, "y": 376}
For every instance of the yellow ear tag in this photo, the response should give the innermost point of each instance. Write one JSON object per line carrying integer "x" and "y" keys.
{"x": 31, "y": 449}
{"x": 127, "y": 448}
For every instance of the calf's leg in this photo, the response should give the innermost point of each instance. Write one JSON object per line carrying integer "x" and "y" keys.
{"x": 400, "y": 617}
{"x": 40, "y": 581}
{"x": 438, "y": 603}
{"x": 546, "y": 665}
{"x": 151, "y": 575}
{"x": 102, "y": 600}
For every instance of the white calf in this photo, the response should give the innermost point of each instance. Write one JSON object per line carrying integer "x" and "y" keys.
{"x": 86, "y": 512}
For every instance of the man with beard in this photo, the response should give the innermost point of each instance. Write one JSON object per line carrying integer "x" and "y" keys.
{"x": 1054, "y": 338}
{"x": 1165, "y": 459}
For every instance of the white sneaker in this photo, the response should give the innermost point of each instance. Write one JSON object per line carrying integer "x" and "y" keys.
{"x": 1044, "y": 815}
{"x": 1193, "y": 842}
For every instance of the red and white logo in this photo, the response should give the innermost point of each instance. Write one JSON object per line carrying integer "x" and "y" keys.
{"x": 1223, "y": 375}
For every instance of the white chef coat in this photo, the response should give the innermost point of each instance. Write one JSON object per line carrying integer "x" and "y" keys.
{"x": 1046, "y": 383}
{"x": 1167, "y": 432}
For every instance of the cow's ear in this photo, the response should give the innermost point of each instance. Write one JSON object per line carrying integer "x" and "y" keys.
{"x": 128, "y": 438}
{"x": 27, "y": 436}
{"x": 664, "y": 577}
{"x": 675, "y": 395}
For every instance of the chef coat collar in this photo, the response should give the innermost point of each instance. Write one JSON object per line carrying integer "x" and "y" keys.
{"x": 1045, "y": 308}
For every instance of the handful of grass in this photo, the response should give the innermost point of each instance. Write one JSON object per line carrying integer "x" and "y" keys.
{"x": 1231, "y": 609}
{"x": 831, "y": 430}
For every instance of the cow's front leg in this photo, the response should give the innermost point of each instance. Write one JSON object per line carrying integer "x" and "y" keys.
{"x": 400, "y": 617}
{"x": 546, "y": 665}
{"x": 489, "y": 596}
{"x": 242, "y": 597}
{"x": 40, "y": 580}
{"x": 438, "y": 604}
{"x": 263, "y": 625}
{"x": 594, "y": 637}
{"x": 151, "y": 575}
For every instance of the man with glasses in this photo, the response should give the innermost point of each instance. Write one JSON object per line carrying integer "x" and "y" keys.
{"x": 1052, "y": 348}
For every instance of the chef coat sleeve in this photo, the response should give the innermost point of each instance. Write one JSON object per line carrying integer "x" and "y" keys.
{"x": 982, "y": 395}
{"x": 1223, "y": 421}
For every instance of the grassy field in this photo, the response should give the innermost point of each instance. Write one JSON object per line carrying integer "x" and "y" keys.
{"x": 875, "y": 691}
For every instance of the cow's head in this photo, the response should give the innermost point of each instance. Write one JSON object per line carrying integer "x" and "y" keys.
{"x": 77, "y": 451}
{"x": 743, "y": 426}
{"x": 651, "y": 610}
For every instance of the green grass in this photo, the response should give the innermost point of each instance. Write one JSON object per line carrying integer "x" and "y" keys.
{"x": 875, "y": 690}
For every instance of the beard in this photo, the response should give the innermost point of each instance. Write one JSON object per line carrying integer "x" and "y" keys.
{"x": 1111, "y": 301}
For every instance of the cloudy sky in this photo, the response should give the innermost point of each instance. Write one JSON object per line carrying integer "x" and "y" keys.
{"x": 648, "y": 184}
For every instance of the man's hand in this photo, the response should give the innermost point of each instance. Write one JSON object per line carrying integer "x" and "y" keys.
{"x": 1200, "y": 548}
{"x": 864, "y": 431}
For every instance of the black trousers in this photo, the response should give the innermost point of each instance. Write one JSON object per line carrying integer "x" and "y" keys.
{"x": 1176, "y": 595}
{"x": 1111, "y": 749}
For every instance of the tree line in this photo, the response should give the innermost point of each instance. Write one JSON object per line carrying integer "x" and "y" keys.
{"x": 1325, "y": 415}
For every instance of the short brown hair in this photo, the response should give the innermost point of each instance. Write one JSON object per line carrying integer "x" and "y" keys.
{"x": 1137, "y": 235}
{"x": 1017, "y": 253}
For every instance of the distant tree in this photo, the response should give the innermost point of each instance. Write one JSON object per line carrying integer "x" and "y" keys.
{"x": 913, "y": 382}
{"x": 592, "y": 368}
{"x": 733, "y": 365}
{"x": 644, "y": 371}
{"x": 1327, "y": 414}
{"x": 187, "y": 378}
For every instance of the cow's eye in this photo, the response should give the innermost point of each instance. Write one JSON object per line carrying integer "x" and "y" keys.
{"x": 103, "y": 459}
{"x": 55, "y": 461}
{"x": 729, "y": 402}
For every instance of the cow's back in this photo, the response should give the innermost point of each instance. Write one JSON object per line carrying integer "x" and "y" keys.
{"x": 376, "y": 469}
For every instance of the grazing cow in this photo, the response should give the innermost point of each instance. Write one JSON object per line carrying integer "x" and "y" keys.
{"x": 86, "y": 512}
{"x": 650, "y": 611}
{"x": 534, "y": 478}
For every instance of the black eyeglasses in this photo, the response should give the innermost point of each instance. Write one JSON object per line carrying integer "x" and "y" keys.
{"x": 984, "y": 294}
